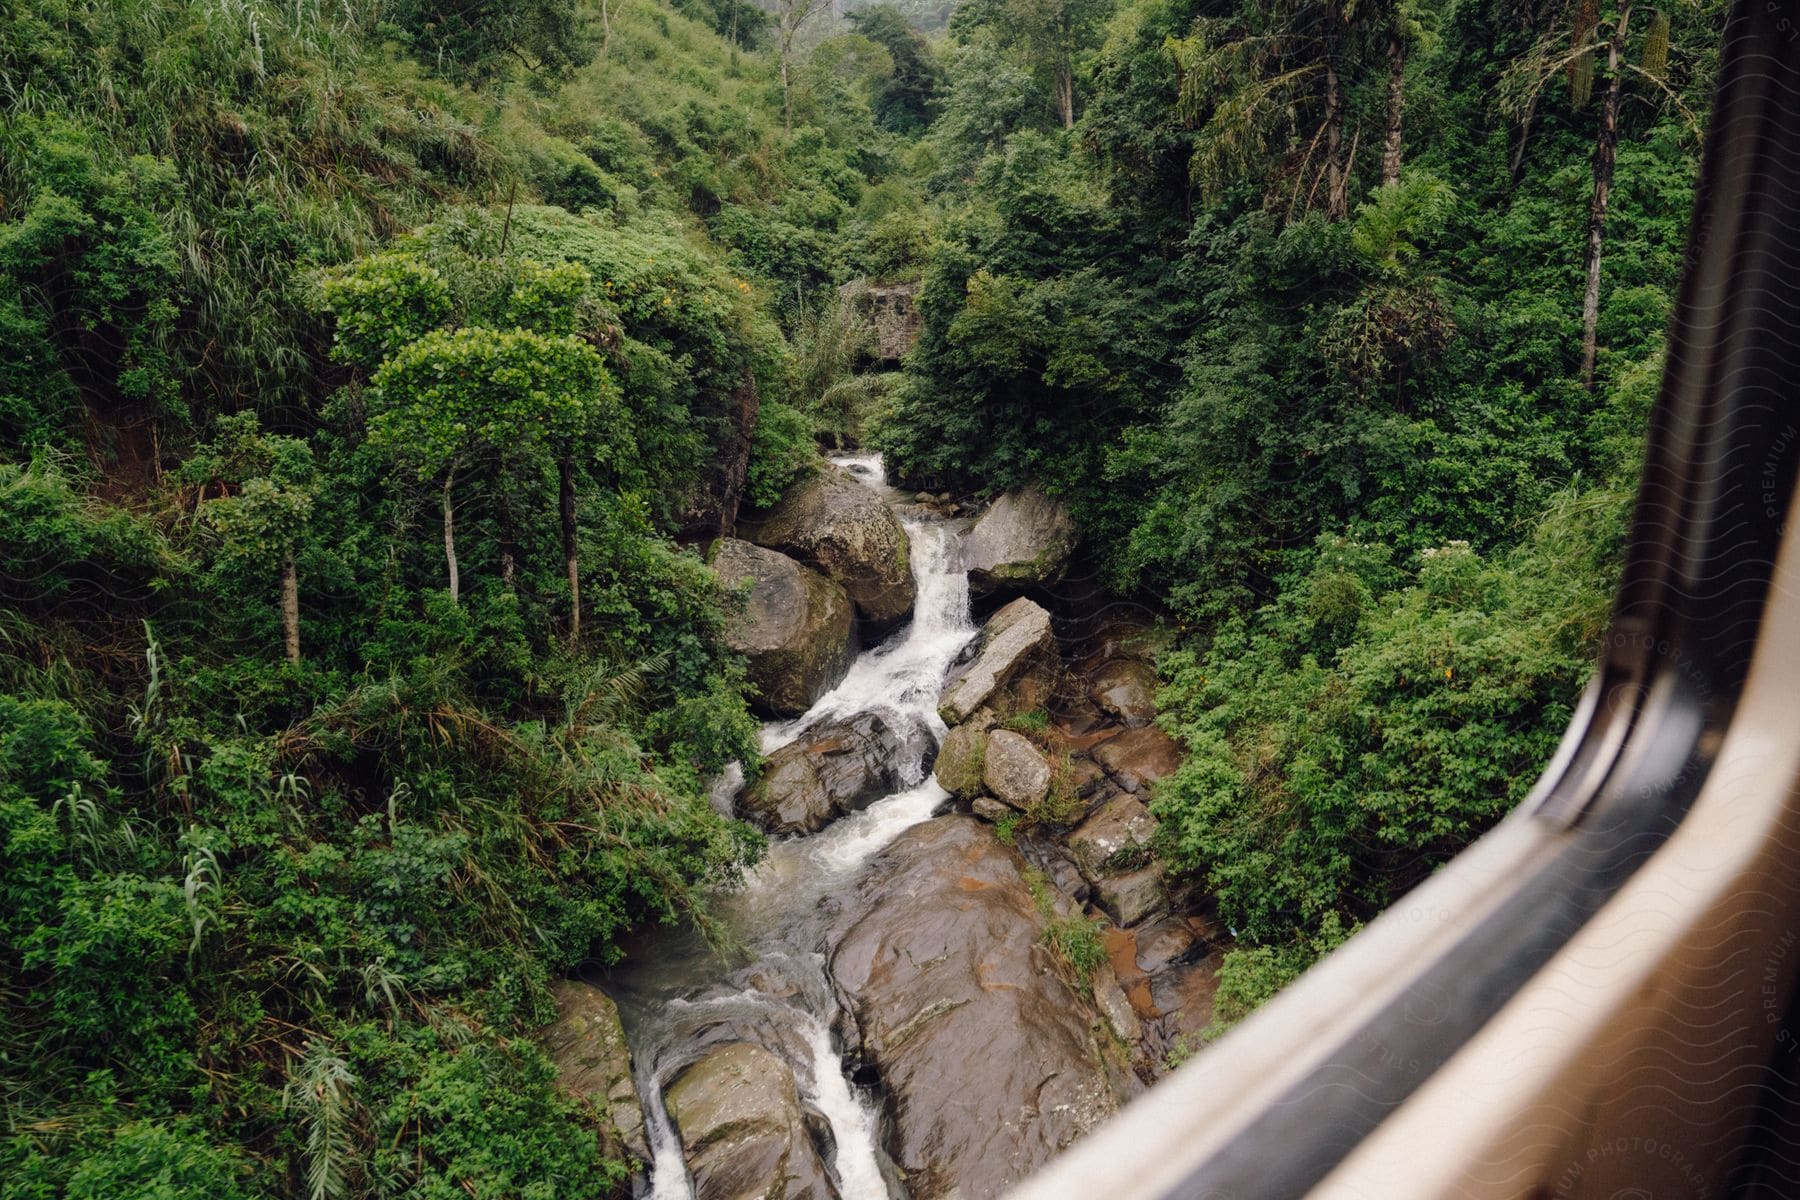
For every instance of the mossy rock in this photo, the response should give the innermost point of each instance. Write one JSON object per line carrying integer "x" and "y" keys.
{"x": 960, "y": 760}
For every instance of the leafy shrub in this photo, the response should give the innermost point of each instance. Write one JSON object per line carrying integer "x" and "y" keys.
{"x": 570, "y": 179}
{"x": 147, "y": 1160}
{"x": 490, "y": 1124}
{"x": 1340, "y": 746}
{"x": 782, "y": 451}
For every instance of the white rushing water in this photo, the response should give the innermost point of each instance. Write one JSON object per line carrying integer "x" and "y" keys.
{"x": 900, "y": 679}
{"x": 853, "y": 1122}
{"x": 903, "y": 675}
{"x": 668, "y": 1169}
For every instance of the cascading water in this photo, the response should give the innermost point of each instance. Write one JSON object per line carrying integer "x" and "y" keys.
{"x": 683, "y": 998}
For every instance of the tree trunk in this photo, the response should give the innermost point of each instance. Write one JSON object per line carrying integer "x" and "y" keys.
{"x": 509, "y": 541}
{"x": 450, "y": 535}
{"x": 290, "y": 605}
{"x": 787, "y": 97}
{"x": 1065, "y": 93}
{"x": 1335, "y": 192}
{"x": 1396, "y": 106}
{"x": 1518, "y": 155}
{"x": 1606, "y": 157}
{"x": 566, "y": 498}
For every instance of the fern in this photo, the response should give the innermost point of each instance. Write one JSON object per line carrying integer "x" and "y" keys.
{"x": 608, "y": 692}
{"x": 321, "y": 1092}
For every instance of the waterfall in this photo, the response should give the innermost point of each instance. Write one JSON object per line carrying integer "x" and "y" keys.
{"x": 668, "y": 1170}
{"x": 902, "y": 676}
{"x": 678, "y": 998}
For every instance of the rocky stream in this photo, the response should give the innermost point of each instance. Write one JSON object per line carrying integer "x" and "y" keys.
{"x": 891, "y": 1019}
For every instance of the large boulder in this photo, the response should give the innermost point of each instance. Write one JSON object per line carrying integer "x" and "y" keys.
{"x": 988, "y": 1059}
{"x": 743, "y": 1132}
{"x": 1024, "y": 539}
{"x": 837, "y": 525}
{"x": 794, "y": 629}
{"x": 1014, "y": 769}
{"x": 586, "y": 1044}
{"x": 1132, "y": 896}
{"x": 1014, "y": 669}
{"x": 832, "y": 770}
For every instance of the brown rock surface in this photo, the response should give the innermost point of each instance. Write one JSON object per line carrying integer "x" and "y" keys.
{"x": 1139, "y": 757}
{"x": 844, "y": 529}
{"x": 1125, "y": 689}
{"x": 989, "y": 1061}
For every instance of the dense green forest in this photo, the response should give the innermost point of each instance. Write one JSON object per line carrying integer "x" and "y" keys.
{"x": 372, "y": 377}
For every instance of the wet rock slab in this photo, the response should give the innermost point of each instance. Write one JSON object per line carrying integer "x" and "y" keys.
{"x": 743, "y": 1131}
{"x": 1014, "y": 668}
{"x": 586, "y": 1044}
{"x": 833, "y": 770}
{"x": 989, "y": 1061}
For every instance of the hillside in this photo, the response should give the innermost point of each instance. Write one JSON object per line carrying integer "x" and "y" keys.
{"x": 215, "y": 222}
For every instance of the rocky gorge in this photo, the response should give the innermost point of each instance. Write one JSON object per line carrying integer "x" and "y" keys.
{"x": 959, "y": 954}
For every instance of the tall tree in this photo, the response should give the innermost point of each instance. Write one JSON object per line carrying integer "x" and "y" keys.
{"x": 1050, "y": 36}
{"x": 790, "y": 18}
{"x": 1574, "y": 51}
{"x": 905, "y": 102}
{"x": 266, "y": 487}
{"x": 486, "y": 398}
{"x": 1398, "y": 28}
{"x": 1606, "y": 159}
